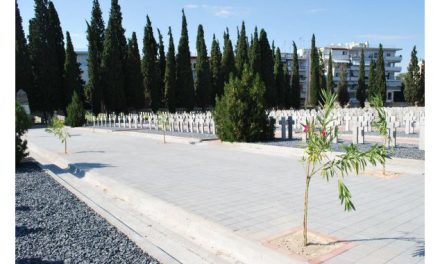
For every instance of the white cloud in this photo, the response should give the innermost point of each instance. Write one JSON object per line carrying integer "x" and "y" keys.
{"x": 224, "y": 12}
{"x": 385, "y": 37}
{"x": 191, "y": 6}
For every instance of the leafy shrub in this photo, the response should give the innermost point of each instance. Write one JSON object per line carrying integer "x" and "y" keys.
{"x": 75, "y": 112}
{"x": 240, "y": 114}
{"x": 22, "y": 124}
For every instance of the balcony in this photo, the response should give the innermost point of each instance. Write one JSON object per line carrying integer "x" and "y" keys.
{"x": 393, "y": 68}
{"x": 393, "y": 58}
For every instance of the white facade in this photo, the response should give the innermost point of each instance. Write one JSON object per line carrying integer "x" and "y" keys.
{"x": 81, "y": 57}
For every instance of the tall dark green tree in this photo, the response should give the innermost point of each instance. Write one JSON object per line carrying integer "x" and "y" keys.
{"x": 113, "y": 61}
{"x": 255, "y": 60}
{"x": 360, "y": 91}
{"x": 412, "y": 79}
{"x": 72, "y": 74}
{"x": 203, "y": 84}
{"x": 322, "y": 78}
{"x": 343, "y": 95}
{"x": 422, "y": 84}
{"x": 150, "y": 70}
{"x": 381, "y": 83}
{"x": 330, "y": 84}
{"x": 295, "y": 80}
{"x": 216, "y": 70}
{"x": 279, "y": 80}
{"x": 23, "y": 70}
{"x": 372, "y": 80}
{"x": 241, "y": 57}
{"x": 95, "y": 37}
{"x": 267, "y": 65}
{"x": 41, "y": 94}
{"x": 314, "y": 76}
{"x": 135, "y": 88}
{"x": 55, "y": 41}
{"x": 185, "y": 91}
{"x": 228, "y": 59}
{"x": 161, "y": 67}
{"x": 170, "y": 76}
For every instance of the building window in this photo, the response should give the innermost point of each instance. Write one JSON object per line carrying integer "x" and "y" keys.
{"x": 388, "y": 54}
{"x": 344, "y": 53}
{"x": 389, "y": 96}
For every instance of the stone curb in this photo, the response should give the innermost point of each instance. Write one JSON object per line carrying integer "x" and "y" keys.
{"x": 200, "y": 231}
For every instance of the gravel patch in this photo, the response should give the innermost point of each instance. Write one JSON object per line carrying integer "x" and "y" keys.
{"x": 53, "y": 226}
{"x": 159, "y": 132}
{"x": 376, "y": 133}
{"x": 406, "y": 151}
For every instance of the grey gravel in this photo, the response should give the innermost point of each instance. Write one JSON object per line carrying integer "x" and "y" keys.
{"x": 53, "y": 226}
{"x": 376, "y": 133}
{"x": 406, "y": 151}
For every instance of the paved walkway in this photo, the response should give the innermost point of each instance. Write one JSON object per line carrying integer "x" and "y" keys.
{"x": 258, "y": 195}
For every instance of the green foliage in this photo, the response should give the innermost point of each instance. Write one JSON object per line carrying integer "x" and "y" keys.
{"x": 412, "y": 79}
{"x": 343, "y": 95}
{"x": 149, "y": 67}
{"x": 22, "y": 124}
{"x": 371, "y": 80}
{"x": 72, "y": 73}
{"x": 23, "y": 70}
{"x": 163, "y": 120}
{"x": 314, "y": 81}
{"x": 322, "y": 78}
{"x": 57, "y": 128}
{"x": 380, "y": 81}
{"x": 113, "y": 61}
{"x": 381, "y": 123}
{"x": 360, "y": 92}
{"x": 95, "y": 37}
{"x": 267, "y": 66}
{"x": 294, "y": 80}
{"x": 330, "y": 84}
{"x": 135, "y": 87}
{"x": 228, "y": 60}
{"x": 184, "y": 78}
{"x": 280, "y": 82}
{"x": 319, "y": 160}
{"x": 75, "y": 111}
{"x": 170, "y": 76}
{"x": 255, "y": 59}
{"x": 203, "y": 87}
{"x": 241, "y": 57}
{"x": 216, "y": 70}
{"x": 161, "y": 64}
{"x": 422, "y": 84}
{"x": 240, "y": 114}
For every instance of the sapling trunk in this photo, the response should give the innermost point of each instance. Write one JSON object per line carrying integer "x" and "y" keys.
{"x": 306, "y": 204}
{"x": 65, "y": 146}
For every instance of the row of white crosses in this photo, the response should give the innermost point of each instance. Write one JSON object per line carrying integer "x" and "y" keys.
{"x": 192, "y": 122}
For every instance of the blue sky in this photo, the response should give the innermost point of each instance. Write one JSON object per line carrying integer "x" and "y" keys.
{"x": 394, "y": 23}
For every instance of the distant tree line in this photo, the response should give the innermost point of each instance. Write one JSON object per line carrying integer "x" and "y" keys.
{"x": 120, "y": 79}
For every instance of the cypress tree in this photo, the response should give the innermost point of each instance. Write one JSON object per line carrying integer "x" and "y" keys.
{"x": 412, "y": 79}
{"x": 113, "y": 61}
{"x": 371, "y": 80}
{"x": 294, "y": 80}
{"x": 150, "y": 70}
{"x": 55, "y": 41}
{"x": 170, "y": 76}
{"x": 216, "y": 70}
{"x": 381, "y": 83}
{"x": 23, "y": 70}
{"x": 330, "y": 84}
{"x": 72, "y": 74}
{"x": 322, "y": 78}
{"x": 279, "y": 80}
{"x": 255, "y": 60}
{"x": 135, "y": 88}
{"x": 267, "y": 67}
{"x": 242, "y": 50}
{"x": 185, "y": 92}
{"x": 314, "y": 76}
{"x": 343, "y": 95}
{"x": 161, "y": 68}
{"x": 203, "y": 73}
{"x": 289, "y": 91}
{"x": 421, "y": 94}
{"x": 75, "y": 110}
{"x": 95, "y": 37}
{"x": 360, "y": 92}
{"x": 228, "y": 60}
{"x": 41, "y": 94}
